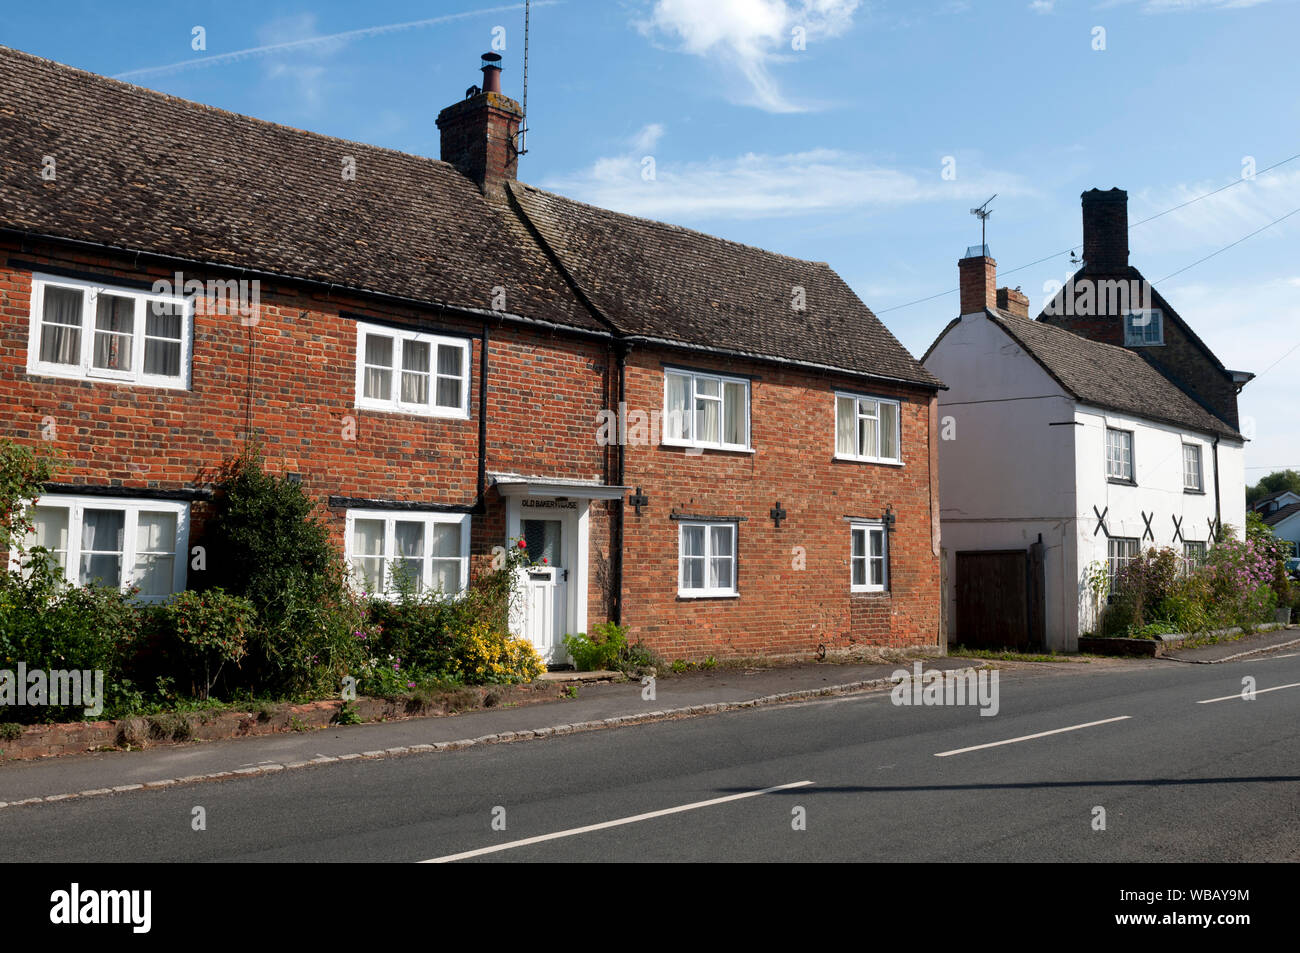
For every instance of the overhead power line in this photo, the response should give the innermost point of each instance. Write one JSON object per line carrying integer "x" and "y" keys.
{"x": 1151, "y": 218}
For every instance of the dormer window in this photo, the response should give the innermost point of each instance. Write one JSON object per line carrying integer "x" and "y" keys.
{"x": 1144, "y": 328}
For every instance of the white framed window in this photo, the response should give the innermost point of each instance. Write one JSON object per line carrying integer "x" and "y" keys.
{"x": 391, "y": 551}
{"x": 114, "y": 543}
{"x": 1194, "y": 554}
{"x": 1192, "y": 479}
{"x": 867, "y": 429}
{"x": 90, "y": 331}
{"x": 869, "y": 559}
{"x": 1121, "y": 551}
{"x": 1144, "y": 328}
{"x": 705, "y": 410}
{"x": 1119, "y": 454}
{"x": 412, "y": 372}
{"x": 706, "y": 559}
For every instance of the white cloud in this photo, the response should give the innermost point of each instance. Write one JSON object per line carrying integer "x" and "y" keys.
{"x": 749, "y": 36}
{"x": 757, "y": 185}
{"x": 1042, "y": 6}
{"x": 1215, "y": 221}
{"x": 648, "y": 137}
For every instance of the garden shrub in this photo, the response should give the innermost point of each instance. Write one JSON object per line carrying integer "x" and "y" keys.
{"x": 206, "y": 630}
{"x": 485, "y": 655}
{"x": 600, "y": 650}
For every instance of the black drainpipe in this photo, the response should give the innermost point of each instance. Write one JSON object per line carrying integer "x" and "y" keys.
{"x": 480, "y": 503}
{"x": 618, "y": 481}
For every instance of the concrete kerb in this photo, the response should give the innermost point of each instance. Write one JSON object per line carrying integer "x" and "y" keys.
{"x": 617, "y": 721}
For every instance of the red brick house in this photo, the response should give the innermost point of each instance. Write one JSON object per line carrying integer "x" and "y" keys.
{"x": 719, "y": 446}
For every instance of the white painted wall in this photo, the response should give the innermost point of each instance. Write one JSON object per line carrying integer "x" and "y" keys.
{"x": 1007, "y": 474}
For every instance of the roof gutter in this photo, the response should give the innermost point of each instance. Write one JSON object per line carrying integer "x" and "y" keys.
{"x": 329, "y": 287}
{"x": 789, "y": 361}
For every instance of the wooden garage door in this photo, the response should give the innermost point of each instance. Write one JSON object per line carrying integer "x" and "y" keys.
{"x": 993, "y": 600}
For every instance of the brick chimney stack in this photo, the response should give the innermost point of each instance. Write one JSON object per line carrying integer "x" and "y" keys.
{"x": 1013, "y": 301}
{"x": 1105, "y": 230}
{"x": 478, "y": 133}
{"x": 979, "y": 279}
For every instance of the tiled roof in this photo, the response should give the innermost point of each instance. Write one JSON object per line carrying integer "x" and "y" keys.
{"x": 662, "y": 281}
{"x": 147, "y": 172}
{"x": 1277, "y": 516}
{"x": 140, "y": 170}
{"x": 1109, "y": 377}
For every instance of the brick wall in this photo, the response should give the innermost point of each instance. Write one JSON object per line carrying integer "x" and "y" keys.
{"x": 780, "y": 609}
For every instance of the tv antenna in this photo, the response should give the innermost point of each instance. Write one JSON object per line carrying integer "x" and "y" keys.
{"x": 983, "y": 213}
{"x": 521, "y": 144}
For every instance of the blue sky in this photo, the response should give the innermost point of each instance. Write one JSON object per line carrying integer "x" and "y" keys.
{"x": 835, "y": 152}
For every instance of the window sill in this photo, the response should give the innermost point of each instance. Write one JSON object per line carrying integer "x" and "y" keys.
{"x": 1191, "y": 492}
{"x": 149, "y": 383}
{"x": 697, "y": 449}
{"x": 857, "y": 591}
{"x": 707, "y": 595}
{"x": 1118, "y": 482}
{"x": 839, "y": 458}
{"x": 412, "y": 411}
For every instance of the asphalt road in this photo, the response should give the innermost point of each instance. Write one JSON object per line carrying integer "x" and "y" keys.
{"x": 1181, "y": 778}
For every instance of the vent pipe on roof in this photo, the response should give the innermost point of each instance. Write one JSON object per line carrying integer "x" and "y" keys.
{"x": 491, "y": 72}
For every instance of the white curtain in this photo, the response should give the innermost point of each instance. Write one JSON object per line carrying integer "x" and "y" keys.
{"x": 163, "y": 329}
{"x": 693, "y": 557}
{"x": 446, "y": 558}
{"x": 845, "y": 414}
{"x": 368, "y": 553}
{"x": 408, "y": 564}
{"x": 378, "y": 382}
{"x": 677, "y": 426}
{"x": 415, "y": 372}
{"x": 50, "y": 531}
{"x": 114, "y": 332}
{"x": 888, "y": 431}
{"x": 735, "y": 410}
{"x": 102, "y": 534}
{"x": 155, "y": 553}
{"x": 722, "y": 560}
{"x": 61, "y": 326}
{"x": 450, "y": 375}
{"x": 707, "y": 410}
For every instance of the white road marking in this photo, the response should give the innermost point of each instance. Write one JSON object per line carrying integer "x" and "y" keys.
{"x": 1258, "y": 691}
{"x": 606, "y": 824}
{"x": 1040, "y": 734}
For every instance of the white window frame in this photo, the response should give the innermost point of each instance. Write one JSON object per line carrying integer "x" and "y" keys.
{"x": 693, "y": 377}
{"x": 1117, "y": 561}
{"x": 868, "y": 528}
{"x": 392, "y": 517}
{"x": 1203, "y": 554}
{"x": 707, "y": 592}
{"x": 394, "y": 403}
{"x": 1199, "y": 485}
{"x": 1131, "y": 477}
{"x": 1133, "y": 339}
{"x": 858, "y": 414}
{"x": 77, "y": 505}
{"x": 84, "y": 369}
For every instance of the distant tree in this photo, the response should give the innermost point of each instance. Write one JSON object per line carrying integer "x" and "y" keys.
{"x": 1279, "y": 480}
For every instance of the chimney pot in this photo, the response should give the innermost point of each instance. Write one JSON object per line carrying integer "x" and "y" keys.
{"x": 491, "y": 67}
{"x": 1105, "y": 231}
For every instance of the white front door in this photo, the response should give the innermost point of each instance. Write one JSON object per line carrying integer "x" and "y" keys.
{"x": 552, "y": 584}
{"x": 545, "y": 611}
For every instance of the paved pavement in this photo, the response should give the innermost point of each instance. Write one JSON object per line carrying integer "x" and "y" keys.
{"x": 48, "y": 777}
{"x": 1182, "y": 765}
{"x": 1239, "y": 648}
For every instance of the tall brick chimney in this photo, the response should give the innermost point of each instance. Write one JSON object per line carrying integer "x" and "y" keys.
{"x": 979, "y": 279}
{"x": 478, "y": 133}
{"x": 1105, "y": 230}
